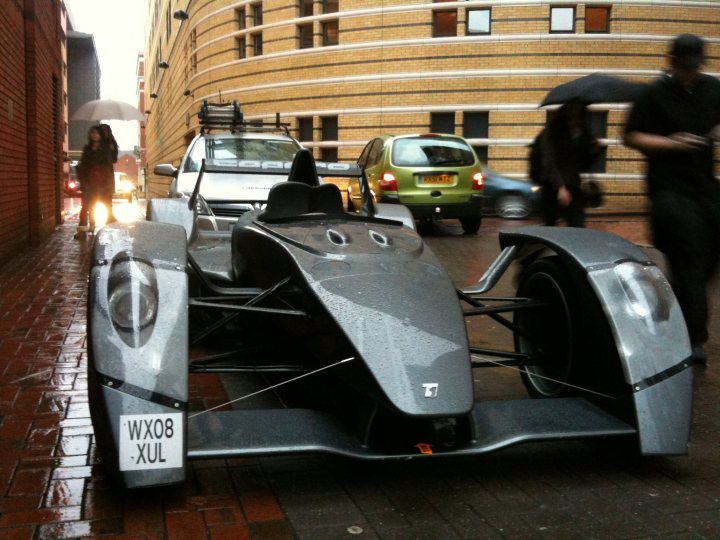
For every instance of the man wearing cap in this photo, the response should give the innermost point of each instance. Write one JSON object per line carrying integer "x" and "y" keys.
{"x": 675, "y": 124}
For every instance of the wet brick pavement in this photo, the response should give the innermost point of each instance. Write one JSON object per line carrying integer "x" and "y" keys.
{"x": 52, "y": 485}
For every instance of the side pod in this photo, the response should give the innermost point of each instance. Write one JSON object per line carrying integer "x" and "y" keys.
{"x": 646, "y": 322}
{"x": 138, "y": 351}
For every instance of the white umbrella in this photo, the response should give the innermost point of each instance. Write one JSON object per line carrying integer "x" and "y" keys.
{"x": 107, "y": 109}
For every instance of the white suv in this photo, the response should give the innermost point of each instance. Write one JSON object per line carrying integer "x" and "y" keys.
{"x": 225, "y": 197}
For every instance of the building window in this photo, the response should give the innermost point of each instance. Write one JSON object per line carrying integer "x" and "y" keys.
{"x": 478, "y": 21}
{"x": 476, "y": 125}
{"x": 330, "y": 6}
{"x": 330, "y": 33}
{"x": 193, "y": 55}
{"x": 240, "y": 18}
{"x": 597, "y": 19}
{"x": 445, "y": 23}
{"x": 329, "y": 133}
{"x": 242, "y": 47}
{"x": 257, "y": 44}
{"x": 305, "y": 129}
{"x": 257, "y": 14}
{"x": 562, "y": 19}
{"x": 306, "y": 8}
{"x": 305, "y": 36}
{"x": 443, "y": 122}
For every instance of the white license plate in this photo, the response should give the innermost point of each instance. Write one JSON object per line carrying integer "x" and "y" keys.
{"x": 151, "y": 441}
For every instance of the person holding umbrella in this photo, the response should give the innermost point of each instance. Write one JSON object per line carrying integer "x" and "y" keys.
{"x": 674, "y": 124}
{"x": 95, "y": 170}
{"x": 566, "y": 147}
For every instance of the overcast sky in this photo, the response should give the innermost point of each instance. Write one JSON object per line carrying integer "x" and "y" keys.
{"x": 118, "y": 27}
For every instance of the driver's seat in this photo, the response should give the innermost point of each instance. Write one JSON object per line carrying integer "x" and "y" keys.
{"x": 292, "y": 199}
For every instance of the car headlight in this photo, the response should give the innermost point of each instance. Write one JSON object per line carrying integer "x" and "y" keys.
{"x": 132, "y": 298}
{"x": 201, "y": 207}
{"x": 126, "y": 186}
{"x": 646, "y": 291}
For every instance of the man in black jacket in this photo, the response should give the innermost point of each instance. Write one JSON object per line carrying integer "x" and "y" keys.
{"x": 674, "y": 124}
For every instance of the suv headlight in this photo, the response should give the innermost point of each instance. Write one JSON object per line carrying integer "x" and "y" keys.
{"x": 201, "y": 207}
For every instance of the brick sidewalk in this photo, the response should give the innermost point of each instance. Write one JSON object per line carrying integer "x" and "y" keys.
{"x": 51, "y": 483}
{"x": 53, "y": 487}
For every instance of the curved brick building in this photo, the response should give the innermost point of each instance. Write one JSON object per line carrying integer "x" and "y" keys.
{"x": 342, "y": 71}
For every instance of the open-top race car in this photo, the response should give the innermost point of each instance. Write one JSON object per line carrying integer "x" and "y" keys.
{"x": 349, "y": 323}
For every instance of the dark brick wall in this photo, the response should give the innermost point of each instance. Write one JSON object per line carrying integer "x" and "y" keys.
{"x": 14, "y": 216}
{"x": 30, "y": 120}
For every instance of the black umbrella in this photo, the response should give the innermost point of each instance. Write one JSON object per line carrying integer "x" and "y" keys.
{"x": 595, "y": 88}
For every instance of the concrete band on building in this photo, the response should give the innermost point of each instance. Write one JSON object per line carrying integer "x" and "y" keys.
{"x": 341, "y": 72}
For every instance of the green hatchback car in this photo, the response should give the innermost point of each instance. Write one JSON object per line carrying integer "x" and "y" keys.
{"x": 434, "y": 175}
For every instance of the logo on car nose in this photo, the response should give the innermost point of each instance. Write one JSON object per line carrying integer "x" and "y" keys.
{"x": 431, "y": 389}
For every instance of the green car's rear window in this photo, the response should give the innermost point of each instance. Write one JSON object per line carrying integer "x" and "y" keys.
{"x": 431, "y": 152}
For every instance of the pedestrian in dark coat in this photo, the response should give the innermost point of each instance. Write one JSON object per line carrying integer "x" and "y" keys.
{"x": 95, "y": 172}
{"x": 109, "y": 139}
{"x": 567, "y": 148}
{"x": 674, "y": 125}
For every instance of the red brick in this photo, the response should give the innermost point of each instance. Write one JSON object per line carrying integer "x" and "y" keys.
{"x": 19, "y": 533}
{"x": 236, "y": 531}
{"x": 224, "y": 515}
{"x": 43, "y": 515}
{"x": 143, "y": 516}
{"x": 260, "y": 506}
{"x": 185, "y": 526}
{"x": 65, "y": 492}
{"x": 29, "y": 482}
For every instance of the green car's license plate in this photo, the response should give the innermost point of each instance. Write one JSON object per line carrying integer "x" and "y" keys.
{"x": 436, "y": 179}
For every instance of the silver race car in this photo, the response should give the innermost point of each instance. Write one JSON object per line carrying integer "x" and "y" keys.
{"x": 348, "y": 337}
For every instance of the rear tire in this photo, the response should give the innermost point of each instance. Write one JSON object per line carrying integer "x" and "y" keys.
{"x": 471, "y": 225}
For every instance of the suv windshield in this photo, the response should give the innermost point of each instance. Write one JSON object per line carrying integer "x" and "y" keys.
{"x": 263, "y": 149}
{"x": 431, "y": 152}
{"x": 237, "y": 148}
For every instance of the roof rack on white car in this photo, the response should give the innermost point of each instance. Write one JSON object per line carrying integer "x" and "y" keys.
{"x": 228, "y": 116}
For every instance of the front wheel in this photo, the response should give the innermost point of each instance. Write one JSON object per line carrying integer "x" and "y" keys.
{"x": 547, "y": 333}
{"x": 470, "y": 225}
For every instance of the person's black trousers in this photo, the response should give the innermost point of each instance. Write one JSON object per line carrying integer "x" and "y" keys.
{"x": 687, "y": 231}
{"x": 573, "y": 214}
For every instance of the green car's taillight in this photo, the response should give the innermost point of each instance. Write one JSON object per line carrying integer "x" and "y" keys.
{"x": 388, "y": 182}
{"x": 478, "y": 180}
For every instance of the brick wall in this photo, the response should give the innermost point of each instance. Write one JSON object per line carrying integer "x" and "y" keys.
{"x": 30, "y": 145}
{"x": 14, "y": 215}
